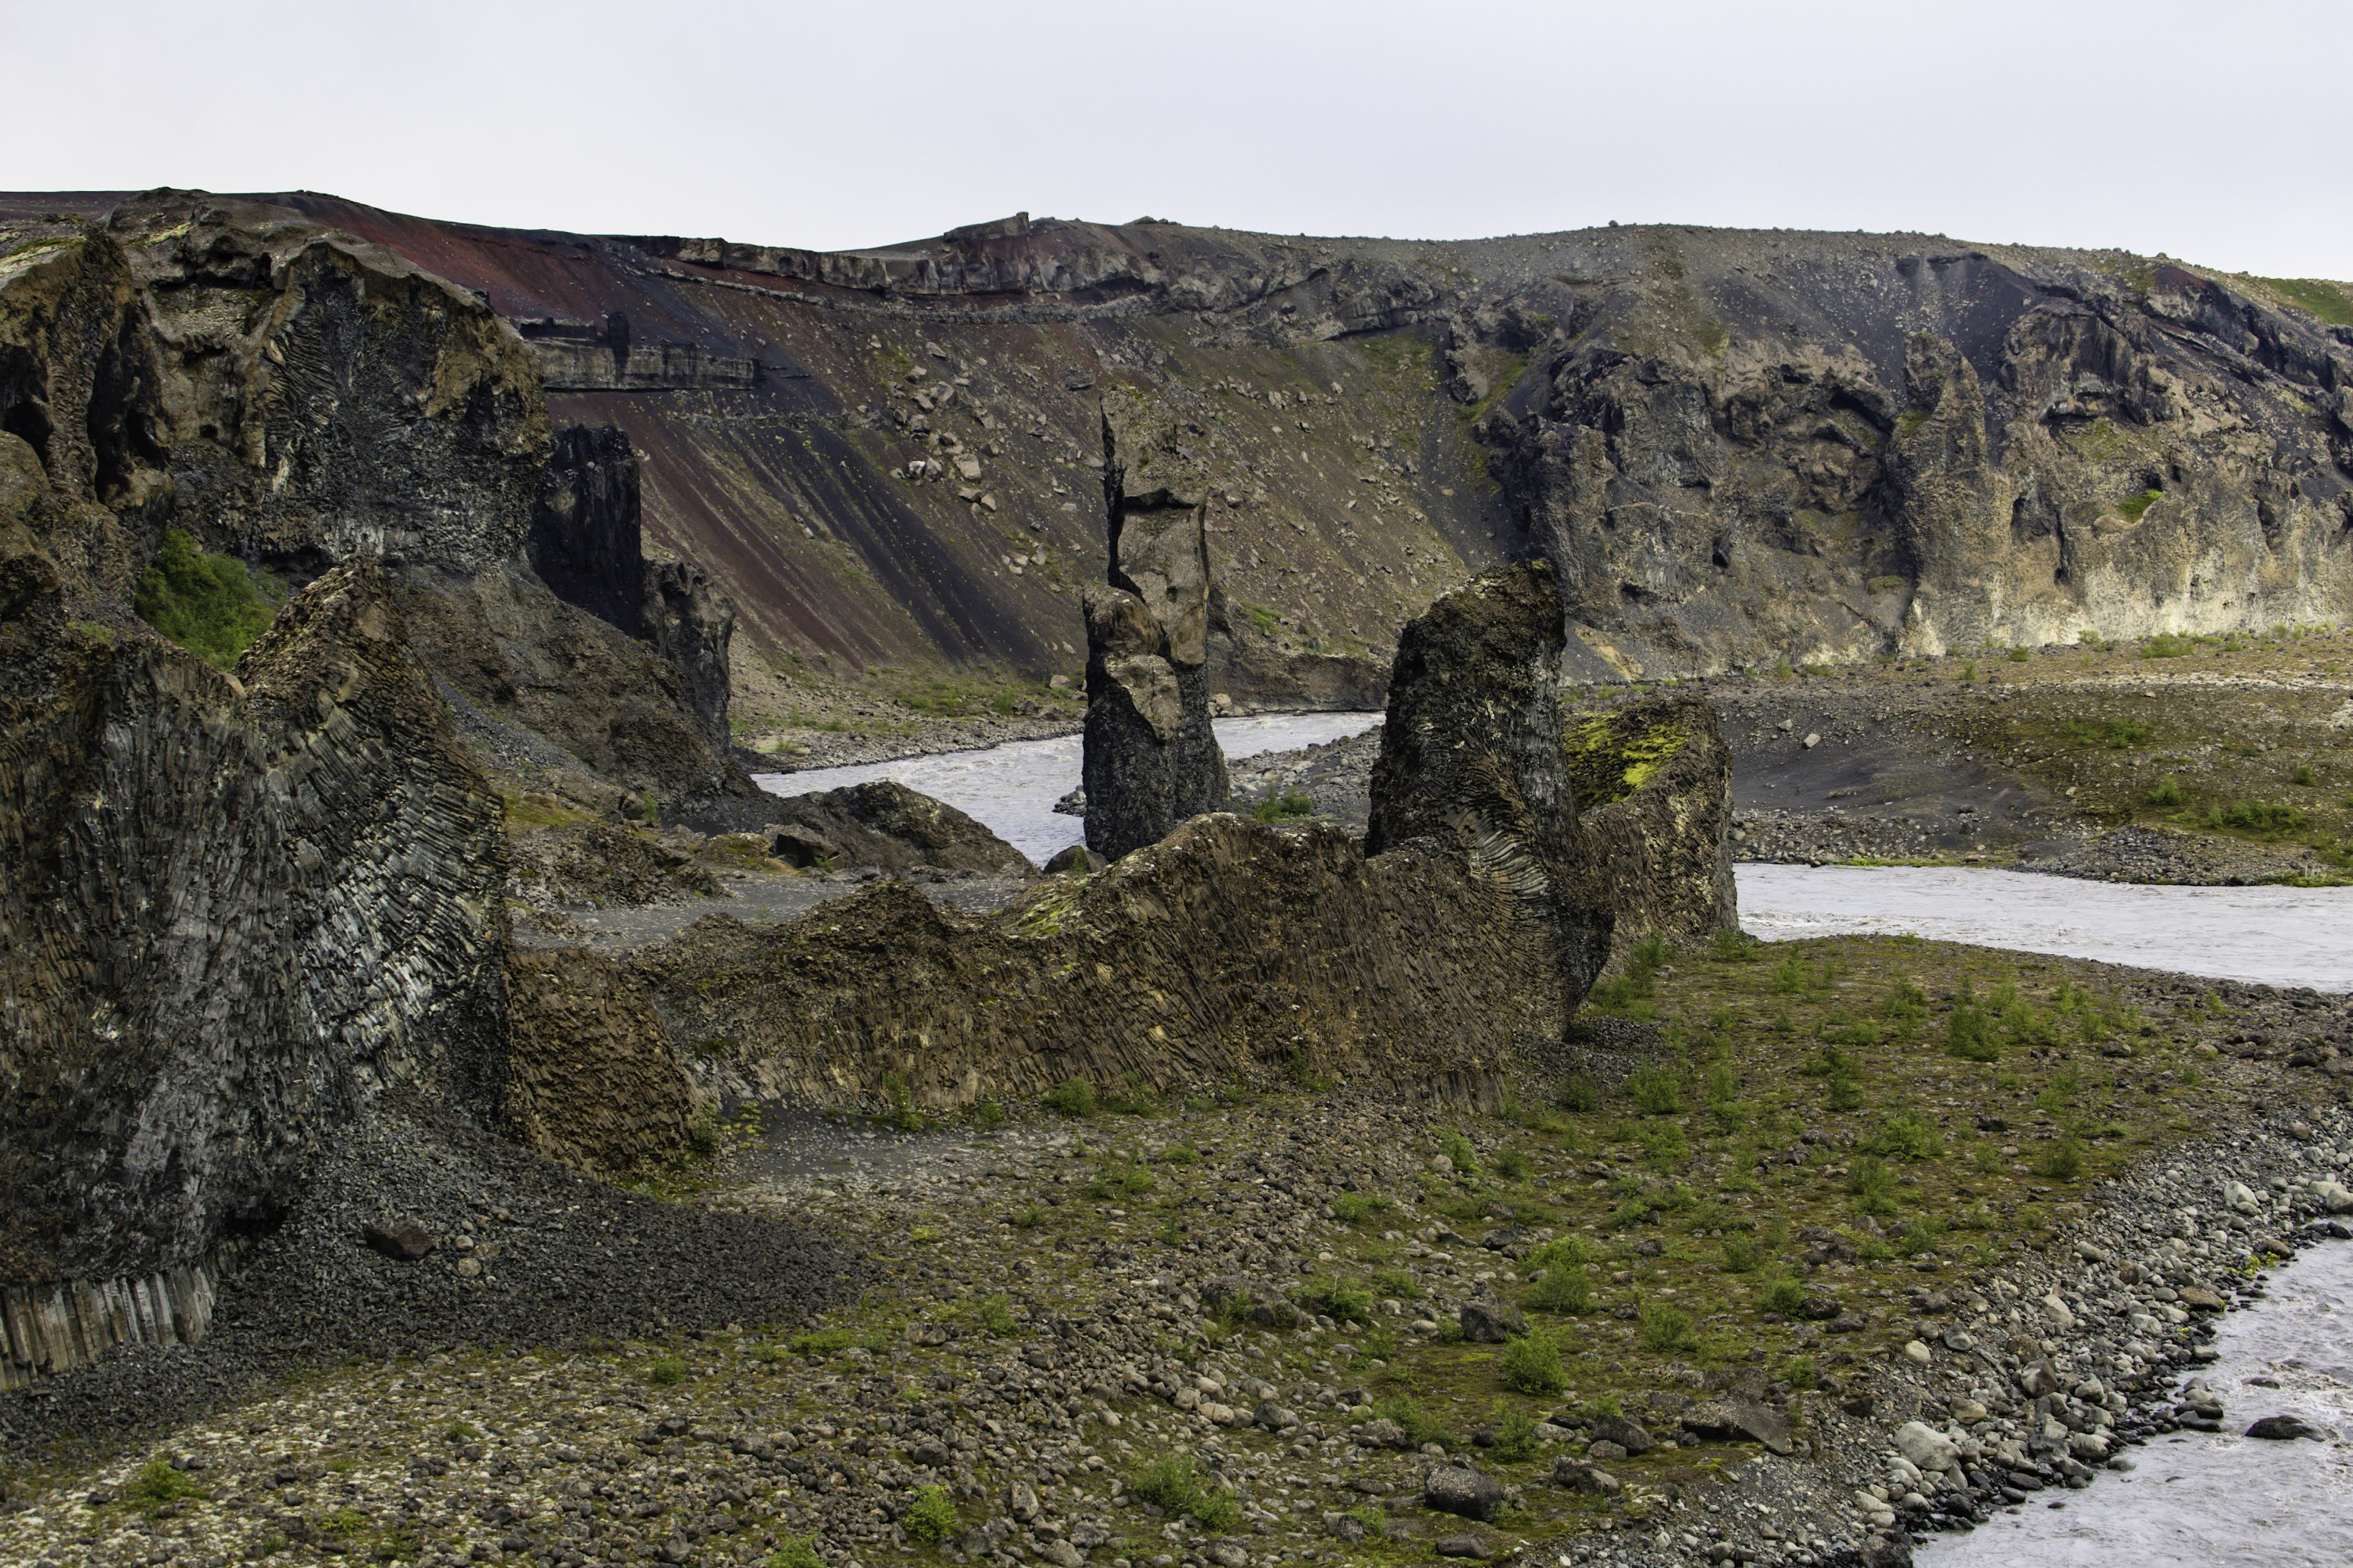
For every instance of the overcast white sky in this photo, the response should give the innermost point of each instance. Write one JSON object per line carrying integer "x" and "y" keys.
{"x": 2217, "y": 132}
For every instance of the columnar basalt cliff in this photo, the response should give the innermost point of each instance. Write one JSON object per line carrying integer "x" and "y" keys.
{"x": 244, "y": 905}
{"x": 1734, "y": 444}
{"x": 1471, "y": 758}
{"x": 238, "y": 909}
{"x": 299, "y": 397}
{"x": 1152, "y": 757}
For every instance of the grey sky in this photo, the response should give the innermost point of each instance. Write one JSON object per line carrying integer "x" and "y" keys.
{"x": 2214, "y": 133}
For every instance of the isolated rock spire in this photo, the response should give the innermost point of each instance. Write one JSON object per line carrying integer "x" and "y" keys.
{"x": 1152, "y": 758}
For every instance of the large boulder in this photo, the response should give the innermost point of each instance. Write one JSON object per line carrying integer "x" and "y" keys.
{"x": 591, "y": 1077}
{"x": 1472, "y": 760}
{"x": 1652, "y": 779}
{"x": 883, "y": 823}
{"x": 1151, "y": 753}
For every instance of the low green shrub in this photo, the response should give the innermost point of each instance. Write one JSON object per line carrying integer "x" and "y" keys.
{"x": 1073, "y": 1098}
{"x": 931, "y": 1518}
{"x": 666, "y": 1370}
{"x": 1458, "y": 1154}
{"x": 1419, "y": 1425}
{"x": 2165, "y": 791}
{"x": 1285, "y": 806}
{"x": 1784, "y": 1296}
{"x": 1515, "y": 1438}
{"x": 208, "y": 602}
{"x": 1565, "y": 1289}
{"x": 1664, "y": 1328}
{"x": 1873, "y": 1184}
{"x": 1171, "y": 1484}
{"x": 1654, "y": 1090}
{"x": 2060, "y": 1160}
{"x": 796, "y": 1552}
{"x": 1530, "y": 1364}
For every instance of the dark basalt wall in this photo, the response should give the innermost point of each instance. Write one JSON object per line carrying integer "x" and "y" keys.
{"x": 235, "y": 908}
{"x": 1471, "y": 758}
{"x": 1227, "y": 949}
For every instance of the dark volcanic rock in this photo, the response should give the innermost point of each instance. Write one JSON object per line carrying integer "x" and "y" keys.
{"x": 591, "y": 1078}
{"x": 1489, "y": 1322}
{"x": 168, "y": 1071}
{"x": 2283, "y": 1428}
{"x": 1328, "y": 962}
{"x": 1654, "y": 786}
{"x": 403, "y": 1241}
{"x": 1152, "y": 757}
{"x": 1472, "y": 757}
{"x": 599, "y": 864}
{"x": 885, "y": 824}
{"x": 587, "y": 533}
{"x": 1459, "y": 1490}
{"x": 586, "y": 545}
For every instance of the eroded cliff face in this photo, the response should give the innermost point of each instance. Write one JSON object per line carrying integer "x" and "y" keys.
{"x": 1741, "y": 448}
{"x": 238, "y": 908}
{"x": 300, "y": 398}
{"x": 1735, "y": 445}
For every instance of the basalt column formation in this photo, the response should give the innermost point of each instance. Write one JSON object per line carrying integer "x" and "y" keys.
{"x": 1152, "y": 757}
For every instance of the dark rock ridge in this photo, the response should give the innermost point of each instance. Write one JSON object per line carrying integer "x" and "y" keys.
{"x": 586, "y": 545}
{"x": 1152, "y": 758}
{"x": 299, "y": 397}
{"x": 240, "y": 907}
{"x": 884, "y": 823}
{"x": 1736, "y": 444}
{"x": 1471, "y": 758}
{"x": 1227, "y": 949}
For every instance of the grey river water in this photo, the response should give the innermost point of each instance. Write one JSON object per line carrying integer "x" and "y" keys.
{"x": 2193, "y": 1498}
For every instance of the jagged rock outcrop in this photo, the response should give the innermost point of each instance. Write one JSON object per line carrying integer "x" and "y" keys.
{"x": 612, "y": 702}
{"x": 586, "y": 540}
{"x": 587, "y": 545}
{"x": 883, "y": 823}
{"x": 1738, "y": 447}
{"x": 1652, "y": 780}
{"x": 1152, "y": 758}
{"x": 690, "y": 623}
{"x": 591, "y": 1078}
{"x": 299, "y": 397}
{"x": 315, "y": 398}
{"x": 1227, "y": 949}
{"x": 601, "y": 863}
{"x": 1471, "y": 758}
{"x": 238, "y": 909}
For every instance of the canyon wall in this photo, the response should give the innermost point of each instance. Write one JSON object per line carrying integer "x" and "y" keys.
{"x": 1735, "y": 445}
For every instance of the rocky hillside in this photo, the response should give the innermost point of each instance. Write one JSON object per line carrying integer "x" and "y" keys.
{"x": 1736, "y": 445}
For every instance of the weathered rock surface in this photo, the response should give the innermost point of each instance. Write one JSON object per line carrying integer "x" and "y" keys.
{"x": 240, "y": 908}
{"x": 1472, "y": 759}
{"x": 591, "y": 1078}
{"x": 1228, "y": 949}
{"x": 1152, "y": 758}
{"x": 1729, "y": 441}
{"x": 885, "y": 824}
{"x": 1652, "y": 780}
{"x": 601, "y": 863}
